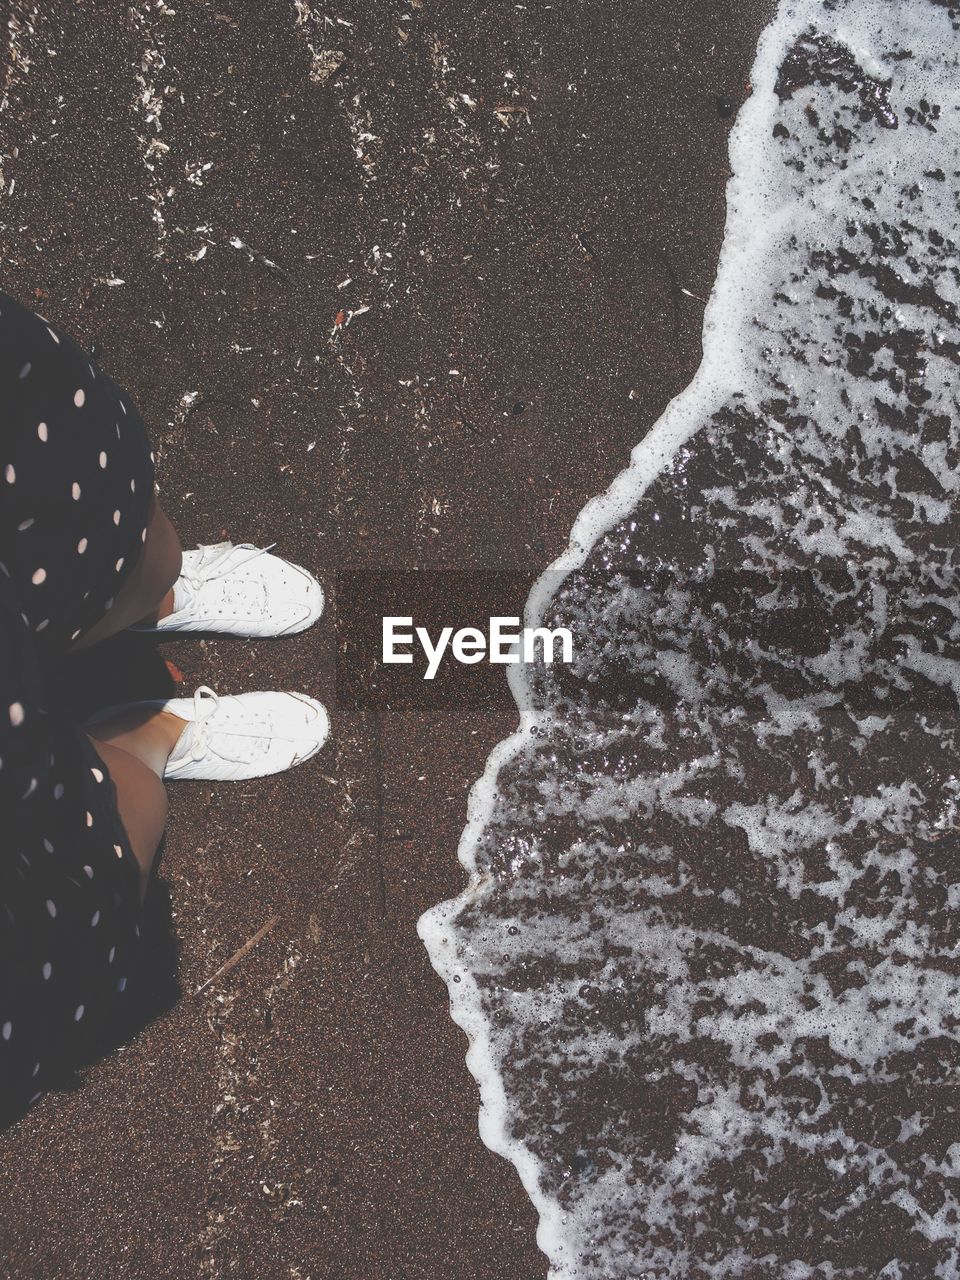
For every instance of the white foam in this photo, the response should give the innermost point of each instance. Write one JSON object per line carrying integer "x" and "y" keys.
{"x": 547, "y": 934}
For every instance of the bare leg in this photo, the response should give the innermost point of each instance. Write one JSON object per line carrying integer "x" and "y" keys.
{"x": 149, "y": 736}
{"x": 142, "y": 804}
{"x": 135, "y": 747}
{"x": 148, "y": 592}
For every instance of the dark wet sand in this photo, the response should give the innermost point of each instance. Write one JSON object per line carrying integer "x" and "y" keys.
{"x": 311, "y": 1115}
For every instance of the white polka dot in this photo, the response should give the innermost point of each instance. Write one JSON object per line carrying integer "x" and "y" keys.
{"x": 118, "y": 851}
{"x": 116, "y": 517}
{"x": 113, "y": 952}
{"x": 143, "y": 536}
{"x": 133, "y": 486}
{"x": 16, "y": 713}
{"x": 75, "y": 491}
{"x": 103, "y": 460}
{"x": 51, "y": 908}
{"x": 79, "y": 396}
{"x": 24, "y": 525}
{"x": 78, "y": 1013}
{"x": 47, "y": 845}
{"x": 88, "y": 872}
{"x": 89, "y": 818}
{"x": 7, "y": 1030}
{"x": 93, "y": 372}
{"x": 39, "y": 575}
{"x": 121, "y": 984}
{"x": 52, "y": 334}
{"x": 47, "y": 970}
{"x": 41, "y": 626}
{"x": 42, "y": 431}
{"x": 119, "y": 564}
{"x": 31, "y": 789}
{"x": 9, "y": 474}
{"x": 108, "y": 604}
{"x": 58, "y": 791}
{"x": 98, "y": 774}
{"x": 25, "y": 370}
{"x": 82, "y": 546}
{"x": 94, "y": 919}
{"x": 123, "y": 407}
{"x": 75, "y": 634}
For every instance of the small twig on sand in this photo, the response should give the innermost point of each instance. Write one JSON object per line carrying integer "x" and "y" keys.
{"x": 238, "y": 955}
{"x": 506, "y": 110}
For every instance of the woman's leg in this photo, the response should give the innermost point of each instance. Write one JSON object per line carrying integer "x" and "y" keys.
{"x": 148, "y": 592}
{"x": 149, "y": 736}
{"x": 135, "y": 747}
{"x": 142, "y": 804}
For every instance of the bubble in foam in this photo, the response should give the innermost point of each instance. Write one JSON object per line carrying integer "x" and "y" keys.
{"x": 708, "y": 956}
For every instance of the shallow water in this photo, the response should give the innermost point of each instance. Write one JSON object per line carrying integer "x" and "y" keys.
{"x": 708, "y": 958}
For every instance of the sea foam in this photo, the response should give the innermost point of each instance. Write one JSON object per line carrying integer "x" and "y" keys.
{"x": 707, "y": 960}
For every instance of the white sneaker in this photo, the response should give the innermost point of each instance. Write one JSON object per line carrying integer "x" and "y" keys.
{"x": 246, "y": 735}
{"x": 241, "y": 590}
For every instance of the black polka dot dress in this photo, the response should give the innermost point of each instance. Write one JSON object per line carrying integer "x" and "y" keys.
{"x": 76, "y": 484}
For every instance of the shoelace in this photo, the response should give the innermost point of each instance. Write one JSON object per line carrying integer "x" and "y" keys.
{"x": 205, "y": 703}
{"x": 216, "y": 568}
